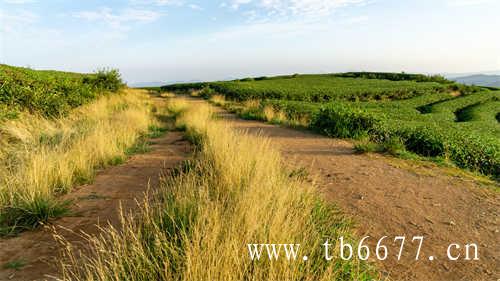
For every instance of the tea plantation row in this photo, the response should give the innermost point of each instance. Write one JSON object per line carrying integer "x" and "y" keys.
{"x": 462, "y": 129}
{"x": 430, "y": 115}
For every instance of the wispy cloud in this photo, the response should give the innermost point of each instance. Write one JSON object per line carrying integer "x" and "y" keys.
{"x": 235, "y": 4}
{"x": 195, "y": 7}
{"x": 119, "y": 19}
{"x": 293, "y": 8}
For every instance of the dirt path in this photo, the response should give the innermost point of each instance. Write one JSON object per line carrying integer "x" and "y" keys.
{"x": 387, "y": 200}
{"x": 94, "y": 204}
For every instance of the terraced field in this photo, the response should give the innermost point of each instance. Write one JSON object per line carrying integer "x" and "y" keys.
{"x": 434, "y": 118}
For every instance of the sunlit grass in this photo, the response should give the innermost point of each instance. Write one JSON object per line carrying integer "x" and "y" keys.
{"x": 197, "y": 226}
{"x": 41, "y": 158}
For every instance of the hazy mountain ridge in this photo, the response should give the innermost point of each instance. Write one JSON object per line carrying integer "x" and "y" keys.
{"x": 479, "y": 80}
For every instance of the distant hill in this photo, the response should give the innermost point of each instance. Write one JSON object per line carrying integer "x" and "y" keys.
{"x": 479, "y": 80}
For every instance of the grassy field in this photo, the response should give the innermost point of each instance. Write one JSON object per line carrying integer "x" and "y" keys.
{"x": 196, "y": 227}
{"x": 58, "y": 129}
{"x": 428, "y": 116}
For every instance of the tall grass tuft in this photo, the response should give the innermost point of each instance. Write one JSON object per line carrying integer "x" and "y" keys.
{"x": 198, "y": 225}
{"x": 41, "y": 158}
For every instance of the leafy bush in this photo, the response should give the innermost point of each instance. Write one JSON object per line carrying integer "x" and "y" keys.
{"x": 467, "y": 150}
{"x": 336, "y": 120}
{"x": 108, "y": 80}
{"x": 207, "y": 92}
{"x": 51, "y": 93}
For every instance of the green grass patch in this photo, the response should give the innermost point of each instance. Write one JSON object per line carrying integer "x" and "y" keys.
{"x": 15, "y": 264}
{"x": 30, "y": 214}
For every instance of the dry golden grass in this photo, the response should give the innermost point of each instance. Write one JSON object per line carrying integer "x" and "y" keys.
{"x": 253, "y": 109}
{"x": 167, "y": 95}
{"x": 218, "y": 100}
{"x": 198, "y": 226}
{"x": 274, "y": 116}
{"x": 251, "y": 104}
{"x": 40, "y": 158}
{"x": 195, "y": 93}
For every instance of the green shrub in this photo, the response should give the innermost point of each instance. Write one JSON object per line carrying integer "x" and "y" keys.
{"x": 51, "y": 93}
{"x": 107, "y": 80}
{"x": 337, "y": 120}
{"x": 207, "y": 92}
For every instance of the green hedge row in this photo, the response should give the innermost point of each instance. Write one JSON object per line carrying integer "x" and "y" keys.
{"x": 467, "y": 150}
{"x": 472, "y": 151}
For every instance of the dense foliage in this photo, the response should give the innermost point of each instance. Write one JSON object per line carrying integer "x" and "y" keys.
{"x": 184, "y": 87}
{"x": 51, "y": 93}
{"x": 344, "y": 122}
{"x": 433, "y": 119}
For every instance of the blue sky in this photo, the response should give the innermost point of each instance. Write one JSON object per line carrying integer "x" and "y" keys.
{"x": 169, "y": 40}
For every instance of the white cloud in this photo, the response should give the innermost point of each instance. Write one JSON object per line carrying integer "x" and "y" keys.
{"x": 235, "y": 4}
{"x": 119, "y": 19}
{"x": 295, "y": 8}
{"x": 195, "y": 7}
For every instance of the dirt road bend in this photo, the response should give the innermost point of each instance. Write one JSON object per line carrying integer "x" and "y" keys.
{"x": 94, "y": 204}
{"x": 392, "y": 197}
